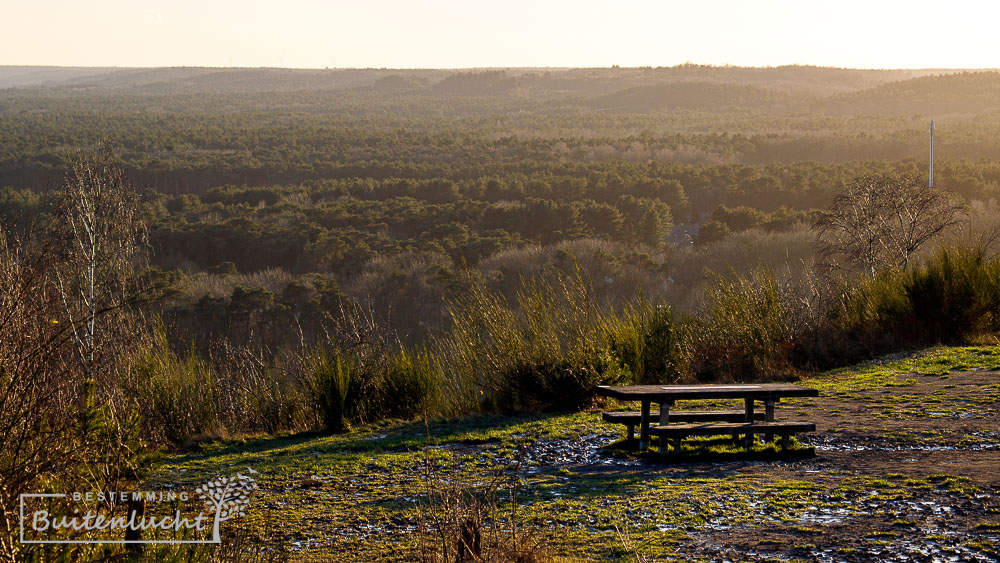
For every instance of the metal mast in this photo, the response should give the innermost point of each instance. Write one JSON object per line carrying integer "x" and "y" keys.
{"x": 930, "y": 175}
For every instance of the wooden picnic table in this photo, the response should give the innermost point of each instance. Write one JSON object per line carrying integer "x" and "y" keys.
{"x": 667, "y": 395}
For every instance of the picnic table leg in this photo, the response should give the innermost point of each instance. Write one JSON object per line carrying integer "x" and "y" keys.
{"x": 749, "y": 419}
{"x": 769, "y": 416}
{"x": 665, "y": 412}
{"x": 644, "y": 426}
{"x": 664, "y": 420}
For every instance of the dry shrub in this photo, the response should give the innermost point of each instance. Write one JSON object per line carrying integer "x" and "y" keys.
{"x": 37, "y": 376}
{"x": 227, "y": 390}
{"x": 744, "y": 252}
{"x": 64, "y": 330}
{"x": 475, "y": 522}
{"x": 408, "y": 288}
{"x": 262, "y": 390}
{"x": 879, "y": 222}
{"x": 57, "y": 428}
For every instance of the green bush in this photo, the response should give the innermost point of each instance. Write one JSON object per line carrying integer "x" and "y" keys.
{"x": 870, "y": 318}
{"x": 562, "y": 385}
{"x": 623, "y": 340}
{"x": 346, "y": 388}
{"x": 645, "y": 344}
{"x": 334, "y": 385}
{"x": 662, "y": 357}
{"x": 954, "y": 296}
{"x": 178, "y": 392}
{"x": 409, "y": 385}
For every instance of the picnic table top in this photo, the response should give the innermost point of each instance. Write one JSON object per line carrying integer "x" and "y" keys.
{"x": 656, "y": 393}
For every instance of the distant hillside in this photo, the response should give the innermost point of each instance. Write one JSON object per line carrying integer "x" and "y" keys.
{"x": 592, "y": 82}
{"x": 33, "y": 76}
{"x": 176, "y": 80}
{"x": 809, "y": 80}
{"x": 965, "y": 92}
{"x": 477, "y": 83}
{"x": 225, "y": 80}
{"x": 690, "y": 95}
{"x": 547, "y": 83}
{"x": 810, "y": 92}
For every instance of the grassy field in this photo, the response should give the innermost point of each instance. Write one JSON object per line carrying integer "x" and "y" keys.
{"x": 907, "y": 466}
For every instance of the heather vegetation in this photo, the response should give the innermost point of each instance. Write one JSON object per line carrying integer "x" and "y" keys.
{"x": 315, "y": 252}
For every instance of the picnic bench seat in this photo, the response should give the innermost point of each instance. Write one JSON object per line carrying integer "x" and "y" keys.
{"x": 678, "y": 432}
{"x": 633, "y": 419}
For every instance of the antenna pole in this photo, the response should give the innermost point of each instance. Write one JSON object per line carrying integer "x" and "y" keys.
{"x": 930, "y": 175}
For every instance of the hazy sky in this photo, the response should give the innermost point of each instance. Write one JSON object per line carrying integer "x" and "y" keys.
{"x": 515, "y": 33}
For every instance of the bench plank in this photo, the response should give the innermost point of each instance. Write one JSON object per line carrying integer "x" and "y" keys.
{"x": 674, "y": 430}
{"x": 625, "y": 417}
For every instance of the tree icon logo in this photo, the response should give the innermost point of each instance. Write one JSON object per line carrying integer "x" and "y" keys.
{"x": 228, "y": 496}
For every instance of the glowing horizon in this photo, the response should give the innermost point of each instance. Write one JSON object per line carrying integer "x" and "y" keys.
{"x": 454, "y": 34}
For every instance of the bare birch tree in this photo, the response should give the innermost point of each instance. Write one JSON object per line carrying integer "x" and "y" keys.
{"x": 881, "y": 221}
{"x": 100, "y": 236}
{"x": 100, "y": 231}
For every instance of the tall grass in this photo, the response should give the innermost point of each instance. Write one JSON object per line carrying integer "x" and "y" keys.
{"x": 403, "y": 385}
{"x": 647, "y": 342}
{"x": 229, "y": 390}
{"x": 409, "y": 386}
{"x": 549, "y": 349}
{"x": 743, "y": 332}
{"x": 554, "y": 340}
{"x": 869, "y": 317}
{"x": 751, "y": 327}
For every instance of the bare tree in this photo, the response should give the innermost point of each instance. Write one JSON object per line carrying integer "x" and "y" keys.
{"x": 99, "y": 229}
{"x": 880, "y": 221}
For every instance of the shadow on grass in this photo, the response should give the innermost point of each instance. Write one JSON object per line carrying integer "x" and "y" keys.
{"x": 376, "y": 438}
{"x": 709, "y": 450}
